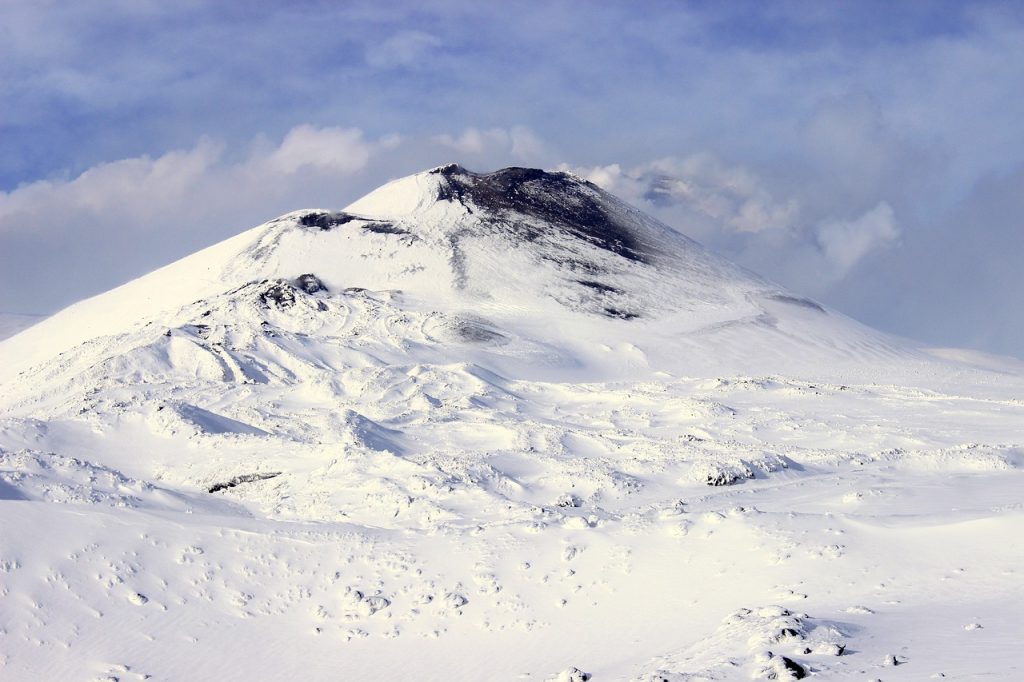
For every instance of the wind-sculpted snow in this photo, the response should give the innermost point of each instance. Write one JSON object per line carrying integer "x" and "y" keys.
{"x": 494, "y": 427}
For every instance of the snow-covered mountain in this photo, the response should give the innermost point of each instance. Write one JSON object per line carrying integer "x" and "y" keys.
{"x": 544, "y": 259}
{"x": 488, "y": 425}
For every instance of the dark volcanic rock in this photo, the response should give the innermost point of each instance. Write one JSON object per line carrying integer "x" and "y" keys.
{"x": 326, "y": 220}
{"x": 279, "y": 294}
{"x": 795, "y": 669}
{"x": 309, "y": 283}
{"x": 239, "y": 480}
{"x": 598, "y": 286}
{"x": 554, "y": 200}
{"x": 729, "y": 476}
{"x": 620, "y": 314}
{"x": 381, "y": 227}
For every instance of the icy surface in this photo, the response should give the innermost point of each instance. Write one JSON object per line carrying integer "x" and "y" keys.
{"x": 498, "y": 427}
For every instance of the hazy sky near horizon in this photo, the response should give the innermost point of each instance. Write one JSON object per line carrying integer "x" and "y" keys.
{"x": 867, "y": 154}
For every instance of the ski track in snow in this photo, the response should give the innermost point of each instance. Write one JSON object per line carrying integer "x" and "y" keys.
{"x": 467, "y": 477}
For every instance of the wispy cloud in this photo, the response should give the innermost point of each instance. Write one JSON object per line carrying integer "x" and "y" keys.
{"x": 327, "y": 149}
{"x": 845, "y": 243}
{"x": 732, "y": 211}
{"x": 518, "y": 143}
{"x": 404, "y": 49}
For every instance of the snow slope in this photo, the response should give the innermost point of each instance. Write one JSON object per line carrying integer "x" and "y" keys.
{"x": 497, "y": 426}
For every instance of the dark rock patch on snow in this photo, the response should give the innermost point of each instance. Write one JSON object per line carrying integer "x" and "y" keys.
{"x": 200, "y": 330}
{"x": 475, "y": 332}
{"x": 310, "y": 283}
{"x": 279, "y": 294}
{"x": 723, "y": 476}
{"x": 795, "y": 670}
{"x": 381, "y": 227}
{"x": 326, "y": 220}
{"x": 574, "y": 265}
{"x": 599, "y": 286}
{"x": 797, "y": 301}
{"x": 239, "y": 480}
{"x": 621, "y": 314}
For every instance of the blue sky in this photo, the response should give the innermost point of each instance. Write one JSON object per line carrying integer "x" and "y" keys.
{"x": 869, "y": 154}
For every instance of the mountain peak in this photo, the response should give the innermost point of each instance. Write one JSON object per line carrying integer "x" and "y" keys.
{"x": 507, "y": 181}
{"x": 511, "y": 174}
{"x": 448, "y": 169}
{"x": 529, "y": 200}
{"x": 451, "y": 181}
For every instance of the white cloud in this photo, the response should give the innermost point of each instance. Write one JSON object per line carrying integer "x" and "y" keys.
{"x": 143, "y": 193}
{"x": 524, "y": 145}
{"x": 472, "y": 140}
{"x": 845, "y": 243}
{"x": 131, "y": 190}
{"x": 714, "y": 196}
{"x": 328, "y": 149}
{"x": 517, "y": 143}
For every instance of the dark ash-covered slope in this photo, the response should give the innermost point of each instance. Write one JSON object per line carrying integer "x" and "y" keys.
{"x": 555, "y": 201}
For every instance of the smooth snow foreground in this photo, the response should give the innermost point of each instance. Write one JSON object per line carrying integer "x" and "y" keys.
{"x": 492, "y": 427}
